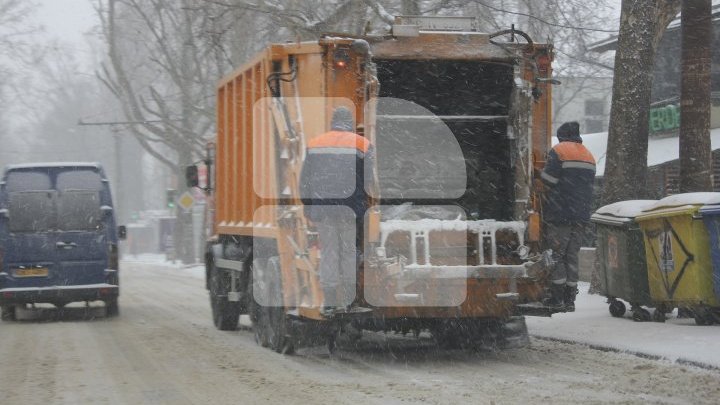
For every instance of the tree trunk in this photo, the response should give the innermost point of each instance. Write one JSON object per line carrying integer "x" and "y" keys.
{"x": 642, "y": 23}
{"x": 695, "y": 151}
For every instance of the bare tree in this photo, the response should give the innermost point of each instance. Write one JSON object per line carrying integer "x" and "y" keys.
{"x": 16, "y": 54}
{"x": 695, "y": 91}
{"x": 163, "y": 60}
{"x": 642, "y": 24}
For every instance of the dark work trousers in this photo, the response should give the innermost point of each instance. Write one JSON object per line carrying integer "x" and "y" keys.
{"x": 337, "y": 260}
{"x": 565, "y": 240}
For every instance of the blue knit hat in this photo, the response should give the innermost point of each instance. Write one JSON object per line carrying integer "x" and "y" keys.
{"x": 569, "y": 131}
{"x": 342, "y": 119}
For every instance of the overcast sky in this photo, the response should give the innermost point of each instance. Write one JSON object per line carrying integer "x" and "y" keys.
{"x": 67, "y": 21}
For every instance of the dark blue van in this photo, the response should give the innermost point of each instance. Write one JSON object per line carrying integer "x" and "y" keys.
{"x": 58, "y": 239}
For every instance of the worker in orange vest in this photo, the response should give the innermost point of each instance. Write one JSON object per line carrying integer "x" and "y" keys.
{"x": 336, "y": 172}
{"x": 569, "y": 176}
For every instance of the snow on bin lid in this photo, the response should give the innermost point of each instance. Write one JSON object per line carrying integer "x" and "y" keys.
{"x": 678, "y": 200}
{"x": 626, "y": 209}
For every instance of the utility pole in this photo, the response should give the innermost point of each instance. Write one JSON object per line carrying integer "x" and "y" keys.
{"x": 695, "y": 90}
{"x": 119, "y": 186}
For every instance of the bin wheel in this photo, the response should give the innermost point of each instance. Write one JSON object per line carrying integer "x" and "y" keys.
{"x": 658, "y": 315}
{"x": 617, "y": 308}
{"x": 111, "y": 307}
{"x": 641, "y": 315}
{"x": 702, "y": 316}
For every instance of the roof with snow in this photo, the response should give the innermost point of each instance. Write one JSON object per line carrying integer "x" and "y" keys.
{"x": 660, "y": 150}
{"x": 610, "y": 43}
{"x": 95, "y": 165}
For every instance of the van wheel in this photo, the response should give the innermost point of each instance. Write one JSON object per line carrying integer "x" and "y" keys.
{"x": 111, "y": 308}
{"x": 226, "y": 314}
{"x": 270, "y": 322}
{"x": 7, "y": 313}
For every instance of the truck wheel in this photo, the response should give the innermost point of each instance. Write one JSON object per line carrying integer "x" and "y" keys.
{"x": 271, "y": 323}
{"x": 617, "y": 308}
{"x": 111, "y": 308}
{"x": 226, "y": 314}
{"x": 7, "y": 313}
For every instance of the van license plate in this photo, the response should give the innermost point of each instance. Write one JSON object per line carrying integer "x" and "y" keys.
{"x": 35, "y": 272}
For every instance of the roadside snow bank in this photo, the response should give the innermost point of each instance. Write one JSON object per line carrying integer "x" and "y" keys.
{"x": 678, "y": 340}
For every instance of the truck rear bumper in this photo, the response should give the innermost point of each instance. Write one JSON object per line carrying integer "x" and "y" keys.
{"x": 58, "y": 294}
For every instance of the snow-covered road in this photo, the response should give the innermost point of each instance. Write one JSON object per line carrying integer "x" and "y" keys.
{"x": 163, "y": 349}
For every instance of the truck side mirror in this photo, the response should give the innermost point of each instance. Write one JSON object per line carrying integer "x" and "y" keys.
{"x": 122, "y": 232}
{"x": 191, "y": 176}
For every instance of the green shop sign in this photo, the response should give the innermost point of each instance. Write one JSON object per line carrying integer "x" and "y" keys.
{"x": 664, "y": 118}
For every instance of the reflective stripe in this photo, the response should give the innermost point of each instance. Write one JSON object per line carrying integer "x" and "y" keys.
{"x": 550, "y": 179}
{"x": 335, "y": 151}
{"x": 578, "y": 165}
{"x": 571, "y": 283}
{"x": 559, "y": 281}
{"x": 340, "y": 139}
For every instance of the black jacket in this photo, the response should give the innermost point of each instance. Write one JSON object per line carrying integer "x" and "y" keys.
{"x": 568, "y": 175}
{"x": 336, "y": 172}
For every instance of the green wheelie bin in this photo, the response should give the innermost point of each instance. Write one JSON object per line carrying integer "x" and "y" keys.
{"x": 678, "y": 255}
{"x": 620, "y": 263}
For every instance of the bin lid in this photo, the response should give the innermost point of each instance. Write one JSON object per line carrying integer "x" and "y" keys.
{"x": 679, "y": 204}
{"x": 621, "y": 212}
{"x": 710, "y": 210}
{"x": 677, "y": 200}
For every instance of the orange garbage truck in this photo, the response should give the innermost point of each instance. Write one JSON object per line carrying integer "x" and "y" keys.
{"x": 451, "y": 243}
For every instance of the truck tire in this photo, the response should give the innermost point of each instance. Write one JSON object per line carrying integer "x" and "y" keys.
{"x": 7, "y": 313}
{"x": 226, "y": 314}
{"x": 111, "y": 308}
{"x": 268, "y": 311}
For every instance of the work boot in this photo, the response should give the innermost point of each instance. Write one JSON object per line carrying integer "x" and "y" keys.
{"x": 555, "y": 300}
{"x": 569, "y": 298}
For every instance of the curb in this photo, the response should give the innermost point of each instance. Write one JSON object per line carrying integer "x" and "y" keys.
{"x": 679, "y": 361}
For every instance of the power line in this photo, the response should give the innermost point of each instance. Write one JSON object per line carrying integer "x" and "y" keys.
{"x": 83, "y": 123}
{"x": 500, "y": 10}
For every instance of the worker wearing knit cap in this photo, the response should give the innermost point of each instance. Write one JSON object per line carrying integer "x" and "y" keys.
{"x": 335, "y": 174}
{"x": 568, "y": 177}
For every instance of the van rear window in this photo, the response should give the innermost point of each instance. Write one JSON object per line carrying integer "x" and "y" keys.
{"x": 78, "y": 210}
{"x": 26, "y": 181}
{"x": 32, "y": 211}
{"x": 79, "y": 180}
